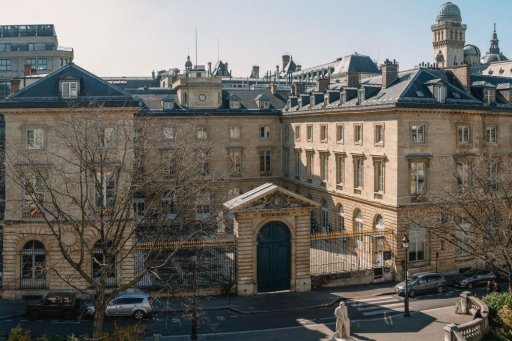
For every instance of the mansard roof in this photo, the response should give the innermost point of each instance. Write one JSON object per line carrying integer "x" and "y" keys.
{"x": 46, "y": 92}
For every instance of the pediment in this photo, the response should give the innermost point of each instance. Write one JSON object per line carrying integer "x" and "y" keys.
{"x": 268, "y": 197}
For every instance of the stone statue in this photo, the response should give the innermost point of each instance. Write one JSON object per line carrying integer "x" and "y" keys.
{"x": 342, "y": 322}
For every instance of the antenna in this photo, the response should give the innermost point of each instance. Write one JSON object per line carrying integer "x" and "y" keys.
{"x": 218, "y": 50}
{"x": 196, "y": 47}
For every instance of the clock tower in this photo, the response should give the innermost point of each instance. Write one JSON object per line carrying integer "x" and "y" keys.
{"x": 197, "y": 90}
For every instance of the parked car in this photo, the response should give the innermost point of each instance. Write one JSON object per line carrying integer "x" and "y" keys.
{"x": 136, "y": 305}
{"x": 421, "y": 283}
{"x": 57, "y": 305}
{"x": 475, "y": 277}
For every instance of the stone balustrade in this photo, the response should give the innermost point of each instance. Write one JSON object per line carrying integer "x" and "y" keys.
{"x": 473, "y": 330}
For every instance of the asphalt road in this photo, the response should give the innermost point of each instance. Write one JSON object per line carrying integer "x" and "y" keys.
{"x": 217, "y": 321}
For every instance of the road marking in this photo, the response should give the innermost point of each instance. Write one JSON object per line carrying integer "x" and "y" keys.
{"x": 221, "y": 318}
{"x": 382, "y": 311}
{"x": 372, "y": 299}
{"x": 381, "y": 306}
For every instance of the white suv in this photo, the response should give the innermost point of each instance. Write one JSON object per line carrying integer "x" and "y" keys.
{"x": 136, "y": 305}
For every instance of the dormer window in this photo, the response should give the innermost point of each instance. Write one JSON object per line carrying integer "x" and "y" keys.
{"x": 489, "y": 96}
{"x": 264, "y": 105}
{"x": 439, "y": 92}
{"x": 234, "y": 102}
{"x": 262, "y": 102}
{"x": 167, "y": 105}
{"x": 69, "y": 89}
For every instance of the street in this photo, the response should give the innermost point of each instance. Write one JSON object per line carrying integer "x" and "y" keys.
{"x": 216, "y": 321}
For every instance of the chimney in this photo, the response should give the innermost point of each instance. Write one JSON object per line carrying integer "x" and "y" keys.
{"x": 298, "y": 88}
{"x": 27, "y": 70}
{"x": 462, "y": 73}
{"x": 255, "y": 71}
{"x": 15, "y": 85}
{"x": 209, "y": 68}
{"x": 273, "y": 88}
{"x": 298, "y": 67}
{"x": 286, "y": 60}
{"x": 322, "y": 84}
{"x": 352, "y": 79}
{"x": 153, "y": 74}
{"x": 389, "y": 72}
{"x": 227, "y": 69}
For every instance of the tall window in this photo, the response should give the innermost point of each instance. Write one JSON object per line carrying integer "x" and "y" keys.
{"x": 309, "y": 165}
{"x": 325, "y": 216}
{"x": 323, "y": 133}
{"x": 339, "y": 133}
{"x": 31, "y": 62}
{"x": 265, "y": 159}
{"x": 203, "y": 156}
{"x": 417, "y": 243}
{"x": 462, "y": 231}
{"x": 464, "y": 175}
{"x": 169, "y": 165}
{"x": 33, "y": 265}
{"x": 309, "y": 133}
{"x": 170, "y": 204}
{"x": 491, "y": 134}
{"x": 202, "y": 133}
{"x": 101, "y": 265}
{"x": 33, "y": 197}
{"x": 463, "y": 134}
{"x": 492, "y": 175}
{"x": 234, "y": 132}
{"x": 286, "y": 162}
{"x": 69, "y": 89}
{"x": 5, "y": 89}
{"x": 35, "y": 138}
{"x": 358, "y": 172}
{"x": 297, "y": 132}
{"x": 109, "y": 138}
{"x": 324, "y": 166}
{"x": 105, "y": 189}
{"x": 203, "y": 205}
{"x": 489, "y": 96}
{"x": 340, "y": 170}
{"x": 440, "y": 93}
{"x": 358, "y": 228}
{"x": 235, "y": 159}
{"x": 340, "y": 213}
{"x": 418, "y": 133}
{"x": 42, "y": 63}
{"x": 379, "y": 134}
{"x": 139, "y": 205}
{"x": 379, "y": 175}
{"x": 358, "y": 133}
{"x": 265, "y": 132}
{"x": 418, "y": 178}
{"x": 298, "y": 164}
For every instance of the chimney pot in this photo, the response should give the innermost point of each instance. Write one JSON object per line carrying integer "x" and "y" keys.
{"x": 389, "y": 73}
{"x": 15, "y": 85}
{"x": 27, "y": 70}
{"x": 353, "y": 79}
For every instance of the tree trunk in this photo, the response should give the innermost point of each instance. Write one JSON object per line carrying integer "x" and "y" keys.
{"x": 510, "y": 286}
{"x": 99, "y": 318}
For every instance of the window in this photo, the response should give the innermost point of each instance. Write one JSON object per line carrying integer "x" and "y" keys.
{"x": 379, "y": 135}
{"x": 339, "y": 134}
{"x": 440, "y": 93}
{"x": 105, "y": 190}
{"x": 203, "y": 156}
{"x": 418, "y": 178}
{"x": 324, "y": 166}
{"x": 491, "y": 134}
{"x": 340, "y": 171}
{"x": 309, "y": 133}
{"x": 358, "y": 133}
{"x": 203, "y": 205}
{"x": 264, "y": 132}
{"x": 5, "y": 89}
{"x": 340, "y": 213}
{"x": 379, "y": 175}
{"x": 417, "y": 243}
{"x": 325, "y": 217}
{"x": 169, "y": 165}
{"x": 235, "y": 159}
{"x": 379, "y": 223}
{"x": 169, "y": 133}
{"x": 31, "y": 62}
{"x": 31, "y": 46}
{"x": 33, "y": 265}
{"x": 265, "y": 157}
{"x": 462, "y": 231}
{"x": 35, "y": 138}
{"x": 464, "y": 176}
{"x": 297, "y": 133}
{"x": 463, "y": 134}
{"x": 489, "y": 96}
{"x": 69, "y": 89}
{"x": 42, "y": 63}
{"x": 358, "y": 228}
{"x": 323, "y": 133}
{"x": 101, "y": 267}
{"x": 234, "y": 132}
{"x": 492, "y": 175}
{"x": 358, "y": 173}
{"x": 234, "y": 104}
{"x": 167, "y": 105}
{"x": 309, "y": 166}
{"x": 5, "y": 65}
{"x": 170, "y": 204}
{"x": 5, "y": 47}
{"x": 139, "y": 205}
{"x": 286, "y": 162}
{"x": 202, "y": 133}
{"x": 33, "y": 197}
{"x": 109, "y": 138}
{"x": 298, "y": 164}
{"x": 418, "y": 133}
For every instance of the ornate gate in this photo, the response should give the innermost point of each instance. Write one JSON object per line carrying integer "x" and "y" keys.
{"x": 273, "y": 263}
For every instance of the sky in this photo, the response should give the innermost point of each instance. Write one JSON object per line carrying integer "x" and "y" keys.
{"x": 134, "y": 37}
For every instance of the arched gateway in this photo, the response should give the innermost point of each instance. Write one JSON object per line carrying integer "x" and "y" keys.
{"x": 273, "y": 261}
{"x": 272, "y": 231}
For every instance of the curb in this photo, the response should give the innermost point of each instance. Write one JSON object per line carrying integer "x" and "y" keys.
{"x": 7, "y": 317}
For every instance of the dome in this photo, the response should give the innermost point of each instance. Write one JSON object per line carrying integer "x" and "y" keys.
{"x": 448, "y": 11}
{"x": 471, "y": 50}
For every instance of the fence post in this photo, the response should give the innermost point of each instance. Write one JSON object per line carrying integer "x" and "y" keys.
{"x": 464, "y": 303}
{"x": 448, "y": 331}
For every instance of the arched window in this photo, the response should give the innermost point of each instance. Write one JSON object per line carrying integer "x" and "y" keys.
{"x": 103, "y": 265}
{"x": 358, "y": 227}
{"x": 33, "y": 265}
{"x": 379, "y": 222}
{"x": 325, "y": 216}
{"x": 417, "y": 243}
{"x": 341, "y": 218}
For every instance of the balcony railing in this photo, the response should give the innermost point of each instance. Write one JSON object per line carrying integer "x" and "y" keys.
{"x": 33, "y": 283}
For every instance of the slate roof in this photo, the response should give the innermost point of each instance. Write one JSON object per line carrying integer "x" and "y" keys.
{"x": 356, "y": 63}
{"x": 45, "y": 92}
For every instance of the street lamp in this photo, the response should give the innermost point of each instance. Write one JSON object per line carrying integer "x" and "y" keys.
{"x": 405, "y": 244}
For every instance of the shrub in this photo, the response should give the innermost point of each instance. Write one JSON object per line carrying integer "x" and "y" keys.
{"x": 505, "y": 315}
{"x": 133, "y": 332}
{"x": 496, "y": 301}
{"x": 19, "y": 334}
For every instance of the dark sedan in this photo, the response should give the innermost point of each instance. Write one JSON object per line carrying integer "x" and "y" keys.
{"x": 472, "y": 278}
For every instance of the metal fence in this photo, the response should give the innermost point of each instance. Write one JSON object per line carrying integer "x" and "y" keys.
{"x": 339, "y": 252}
{"x": 178, "y": 265}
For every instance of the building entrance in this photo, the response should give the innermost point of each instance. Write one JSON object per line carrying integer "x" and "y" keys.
{"x": 273, "y": 261}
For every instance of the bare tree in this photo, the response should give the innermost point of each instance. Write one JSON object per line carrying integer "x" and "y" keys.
{"x": 103, "y": 186}
{"x": 473, "y": 211}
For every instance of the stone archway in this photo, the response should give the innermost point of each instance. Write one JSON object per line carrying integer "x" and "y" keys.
{"x": 273, "y": 257}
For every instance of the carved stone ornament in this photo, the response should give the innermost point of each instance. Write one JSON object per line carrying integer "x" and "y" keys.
{"x": 68, "y": 238}
{"x": 276, "y": 200}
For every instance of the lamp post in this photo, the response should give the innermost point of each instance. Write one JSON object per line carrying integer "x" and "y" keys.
{"x": 437, "y": 258}
{"x": 405, "y": 244}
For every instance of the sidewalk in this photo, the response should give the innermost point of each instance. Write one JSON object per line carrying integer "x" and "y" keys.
{"x": 11, "y": 309}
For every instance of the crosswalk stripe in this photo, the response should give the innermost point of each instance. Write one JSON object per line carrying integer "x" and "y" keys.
{"x": 382, "y": 311}
{"x": 381, "y": 306}
{"x": 371, "y": 299}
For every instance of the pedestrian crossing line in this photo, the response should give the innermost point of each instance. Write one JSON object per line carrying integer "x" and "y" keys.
{"x": 356, "y": 304}
{"x": 381, "y": 311}
{"x": 372, "y": 299}
{"x": 389, "y": 306}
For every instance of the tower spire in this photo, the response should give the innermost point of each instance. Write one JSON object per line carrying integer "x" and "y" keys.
{"x": 494, "y": 49}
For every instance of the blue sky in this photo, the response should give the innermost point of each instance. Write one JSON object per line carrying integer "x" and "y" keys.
{"x": 133, "y": 37}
